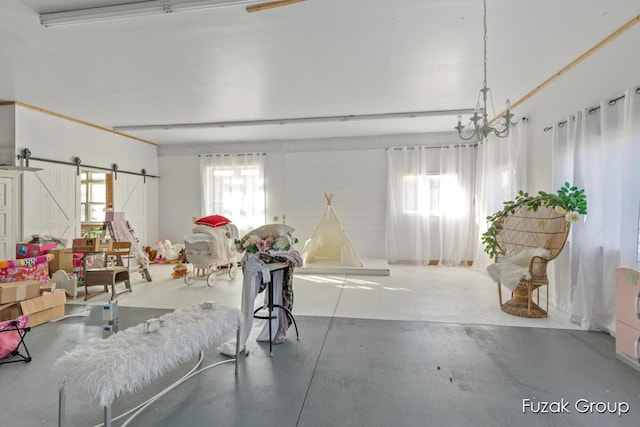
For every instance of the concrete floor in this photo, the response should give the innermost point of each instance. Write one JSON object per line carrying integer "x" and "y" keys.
{"x": 350, "y": 371}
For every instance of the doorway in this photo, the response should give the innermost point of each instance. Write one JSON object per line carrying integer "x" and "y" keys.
{"x": 96, "y": 196}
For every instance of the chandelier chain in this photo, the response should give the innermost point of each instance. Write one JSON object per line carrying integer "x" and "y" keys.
{"x": 479, "y": 126}
{"x": 485, "y": 44}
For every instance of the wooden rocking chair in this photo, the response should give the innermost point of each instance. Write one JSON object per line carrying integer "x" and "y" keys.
{"x": 527, "y": 229}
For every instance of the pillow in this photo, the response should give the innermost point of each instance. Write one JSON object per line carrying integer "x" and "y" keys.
{"x": 213, "y": 221}
{"x": 10, "y": 340}
{"x": 274, "y": 230}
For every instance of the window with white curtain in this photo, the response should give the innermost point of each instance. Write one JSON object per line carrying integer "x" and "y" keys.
{"x": 233, "y": 186}
{"x": 428, "y": 204}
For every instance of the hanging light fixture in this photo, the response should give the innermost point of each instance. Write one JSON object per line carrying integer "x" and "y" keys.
{"x": 479, "y": 125}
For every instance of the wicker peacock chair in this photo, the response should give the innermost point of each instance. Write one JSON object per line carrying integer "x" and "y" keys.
{"x": 525, "y": 230}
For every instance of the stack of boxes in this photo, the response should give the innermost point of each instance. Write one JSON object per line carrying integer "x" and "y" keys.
{"x": 41, "y": 302}
{"x": 21, "y": 296}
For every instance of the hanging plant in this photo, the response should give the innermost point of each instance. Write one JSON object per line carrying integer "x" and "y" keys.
{"x": 568, "y": 200}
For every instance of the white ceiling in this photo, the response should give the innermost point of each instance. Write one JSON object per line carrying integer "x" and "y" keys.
{"x": 310, "y": 59}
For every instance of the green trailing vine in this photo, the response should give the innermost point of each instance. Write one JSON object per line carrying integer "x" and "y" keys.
{"x": 568, "y": 200}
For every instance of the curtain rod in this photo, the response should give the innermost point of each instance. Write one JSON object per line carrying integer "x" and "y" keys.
{"x": 232, "y": 154}
{"x": 421, "y": 147}
{"x": 26, "y": 155}
{"x": 592, "y": 110}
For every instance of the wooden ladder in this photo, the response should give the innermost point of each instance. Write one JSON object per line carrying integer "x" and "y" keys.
{"x": 130, "y": 236}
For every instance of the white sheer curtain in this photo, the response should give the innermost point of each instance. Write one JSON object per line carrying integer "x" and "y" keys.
{"x": 430, "y": 194}
{"x": 408, "y": 218}
{"x": 500, "y": 174}
{"x": 233, "y": 186}
{"x": 599, "y": 150}
{"x": 457, "y": 172}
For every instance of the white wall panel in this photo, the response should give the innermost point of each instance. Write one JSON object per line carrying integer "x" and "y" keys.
{"x": 7, "y": 134}
{"x": 179, "y": 187}
{"x": 358, "y": 180}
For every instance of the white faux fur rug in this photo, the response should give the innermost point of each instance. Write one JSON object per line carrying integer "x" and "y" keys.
{"x": 103, "y": 369}
{"x": 509, "y": 275}
{"x": 510, "y": 269}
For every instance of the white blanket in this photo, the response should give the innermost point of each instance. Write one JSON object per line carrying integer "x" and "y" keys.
{"x": 219, "y": 239}
{"x": 510, "y": 269}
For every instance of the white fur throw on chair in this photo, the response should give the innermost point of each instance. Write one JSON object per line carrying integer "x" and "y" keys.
{"x": 510, "y": 269}
{"x": 103, "y": 369}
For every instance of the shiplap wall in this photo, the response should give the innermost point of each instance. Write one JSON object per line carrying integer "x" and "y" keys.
{"x": 358, "y": 180}
{"x": 297, "y": 174}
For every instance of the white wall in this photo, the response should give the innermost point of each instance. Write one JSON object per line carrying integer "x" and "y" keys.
{"x": 298, "y": 173}
{"x": 7, "y": 134}
{"x": 179, "y": 187}
{"x": 358, "y": 179}
{"x": 45, "y": 192}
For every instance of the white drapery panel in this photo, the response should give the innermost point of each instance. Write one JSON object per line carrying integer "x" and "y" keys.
{"x": 430, "y": 194}
{"x": 500, "y": 174}
{"x": 599, "y": 150}
{"x": 457, "y": 172}
{"x": 408, "y": 222}
{"x": 233, "y": 186}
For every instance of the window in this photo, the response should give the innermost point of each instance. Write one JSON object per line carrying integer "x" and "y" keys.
{"x": 432, "y": 195}
{"x": 93, "y": 196}
{"x": 233, "y": 186}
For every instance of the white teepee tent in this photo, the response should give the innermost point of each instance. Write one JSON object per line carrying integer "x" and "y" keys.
{"x": 329, "y": 244}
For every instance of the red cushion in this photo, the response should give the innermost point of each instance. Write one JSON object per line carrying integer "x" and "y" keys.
{"x": 213, "y": 220}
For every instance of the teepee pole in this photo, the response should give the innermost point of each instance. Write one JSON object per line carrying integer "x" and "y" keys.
{"x": 328, "y": 196}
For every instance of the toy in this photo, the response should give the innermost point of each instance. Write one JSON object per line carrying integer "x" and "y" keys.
{"x": 182, "y": 257}
{"x": 180, "y": 270}
{"x": 167, "y": 251}
{"x": 151, "y": 253}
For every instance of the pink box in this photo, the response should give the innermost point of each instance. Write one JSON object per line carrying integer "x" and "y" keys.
{"x": 28, "y": 250}
{"x": 628, "y": 344}
{"x": 628, "y": 297}
{"x": 114, "y": 216}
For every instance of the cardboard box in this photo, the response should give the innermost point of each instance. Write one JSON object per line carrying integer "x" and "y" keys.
{"x": 44, "y": 308}
{"x": 18, "y": 291}
{"x": 114, "y": 216}
{"x": 9, "y": 311}
{"x": 63, "y": 260}
{"x": 91, "y": 245}
{"x": 47, "y": 288}
{"x": 27, "y": 250}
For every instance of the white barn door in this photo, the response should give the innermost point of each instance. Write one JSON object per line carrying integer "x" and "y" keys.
{"x": 51, "y": 202}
